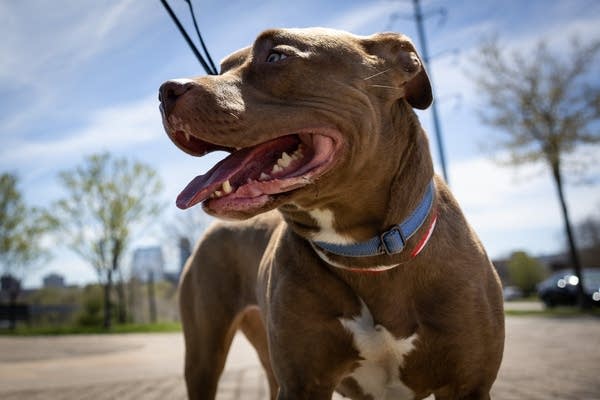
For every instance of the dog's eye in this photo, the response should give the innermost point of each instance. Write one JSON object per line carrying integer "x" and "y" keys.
{"x": 275, "y": 56}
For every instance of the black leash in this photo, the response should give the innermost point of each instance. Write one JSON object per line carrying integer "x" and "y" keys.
{"x": 209, "y": 66}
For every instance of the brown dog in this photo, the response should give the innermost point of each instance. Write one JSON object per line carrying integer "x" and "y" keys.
{"x": 367, "y": 280}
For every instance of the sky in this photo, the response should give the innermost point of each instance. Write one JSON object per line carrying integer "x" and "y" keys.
{"x": 81, "y": 77}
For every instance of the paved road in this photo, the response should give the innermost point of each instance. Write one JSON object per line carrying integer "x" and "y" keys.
{"x": 545, "y": 358}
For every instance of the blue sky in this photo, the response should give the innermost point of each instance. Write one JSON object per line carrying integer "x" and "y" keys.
{"x": 80, "y": 77}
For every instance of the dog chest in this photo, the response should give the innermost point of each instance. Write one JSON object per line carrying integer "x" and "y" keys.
{"x": 378, "y": 374}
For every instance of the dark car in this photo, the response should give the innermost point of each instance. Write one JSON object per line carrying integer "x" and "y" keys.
{"x": 561, "y": 288}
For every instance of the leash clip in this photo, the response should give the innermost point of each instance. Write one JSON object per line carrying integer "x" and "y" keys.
{"x": 392, "y": 241}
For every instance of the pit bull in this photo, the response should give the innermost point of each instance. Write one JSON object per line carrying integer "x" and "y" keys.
{"x": 351, "y": 267}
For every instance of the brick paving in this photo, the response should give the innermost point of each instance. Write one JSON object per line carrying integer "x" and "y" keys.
{"x": 545, "y": 358}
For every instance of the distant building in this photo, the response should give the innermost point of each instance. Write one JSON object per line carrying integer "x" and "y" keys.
{"x": 54, "y": 280}
{"x": 184, "y": 253}
{"x": 148, "y": 261}
{"x": 185, "y": 250}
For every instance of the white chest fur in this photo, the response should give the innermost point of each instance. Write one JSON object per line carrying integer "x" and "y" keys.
{"x": 327, "y": 232}
{"x": 378, "y": 374}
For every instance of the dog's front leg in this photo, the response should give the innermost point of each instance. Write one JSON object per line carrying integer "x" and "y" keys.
{"x": 309, "y": 366}
{"x": 311, "y": 351}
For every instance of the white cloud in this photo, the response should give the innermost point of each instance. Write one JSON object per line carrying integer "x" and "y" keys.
{"x": 115, "y": 127}
{"x": 364, "y": 16}
{"x": 457, "y": 78}
{"x": 501, "y": 201}
{"x": 48, "y": 47}
{"x": 72, "y": 34}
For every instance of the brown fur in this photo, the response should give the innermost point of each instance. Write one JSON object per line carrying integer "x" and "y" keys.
{"x": 449, "y": 294}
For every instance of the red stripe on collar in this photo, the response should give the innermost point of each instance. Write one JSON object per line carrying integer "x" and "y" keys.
{"x": 423, "y": 242}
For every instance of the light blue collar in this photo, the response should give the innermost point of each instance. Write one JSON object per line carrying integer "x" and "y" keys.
{"x": 391, "y": 241}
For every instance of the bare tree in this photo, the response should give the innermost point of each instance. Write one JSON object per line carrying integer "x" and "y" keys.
{"x": 21, "y": 232}
{"x": 185, "y": 228}
{"x": 106, "y": 199}
{"x": 546, "y": 104}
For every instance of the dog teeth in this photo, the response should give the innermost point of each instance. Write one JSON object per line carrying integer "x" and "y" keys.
{"x": 264, "y": 177}
{"x": 227, "y": 187}
{"x": 285, "y": 160}
{"x": 297, "y": 155}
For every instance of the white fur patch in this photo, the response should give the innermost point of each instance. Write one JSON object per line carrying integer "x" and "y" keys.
{"x": 327, "y": 233}
{"x": 383, "y": 354}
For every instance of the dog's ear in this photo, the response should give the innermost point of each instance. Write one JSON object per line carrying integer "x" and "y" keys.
{"x": 399, "y": 52}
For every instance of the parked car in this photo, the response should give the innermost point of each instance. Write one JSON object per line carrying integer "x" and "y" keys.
{"x": 561, "y": 288}
{"x": 512, "y": 293}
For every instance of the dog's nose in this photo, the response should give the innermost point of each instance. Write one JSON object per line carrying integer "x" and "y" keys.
{"x": 170, "y": 91}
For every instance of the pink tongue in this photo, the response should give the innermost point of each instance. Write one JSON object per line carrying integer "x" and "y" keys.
{"x": 201, "y": 187}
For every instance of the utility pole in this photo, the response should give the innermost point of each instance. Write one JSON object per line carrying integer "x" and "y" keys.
{"x": 425, "y": 54}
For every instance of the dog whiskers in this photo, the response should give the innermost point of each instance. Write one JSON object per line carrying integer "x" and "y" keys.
{"x": 377, "y": 74}
{"x": 386, "y": 87}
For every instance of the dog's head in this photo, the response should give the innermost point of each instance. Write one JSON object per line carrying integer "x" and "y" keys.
{"x": 294, "y": 109}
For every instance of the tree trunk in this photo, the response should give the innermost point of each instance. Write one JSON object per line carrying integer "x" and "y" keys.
{"x": 574, "y": 255}
{"x": 116, "y": 256}
{"x": 107, "y": 302}
{"x": 12, "y": 310}
{"x": 13, "y": 287}
{"x": 122, "y": 307}
{"x": 151, "y": 297}
{"x": 131, "y": 297}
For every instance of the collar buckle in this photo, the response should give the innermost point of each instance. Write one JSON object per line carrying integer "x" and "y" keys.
{"x": 392, "y": 241}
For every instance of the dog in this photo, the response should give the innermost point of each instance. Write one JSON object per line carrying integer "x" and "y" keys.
{"x": 351, "y": 267}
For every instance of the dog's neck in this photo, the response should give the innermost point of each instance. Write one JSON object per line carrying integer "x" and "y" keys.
{"x": 392, "y": 186}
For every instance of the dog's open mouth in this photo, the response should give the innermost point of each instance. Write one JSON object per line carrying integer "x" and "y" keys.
{"x": 250, "y": 177}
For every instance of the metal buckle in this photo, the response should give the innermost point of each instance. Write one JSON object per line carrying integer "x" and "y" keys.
{"x": 385, "y": 244}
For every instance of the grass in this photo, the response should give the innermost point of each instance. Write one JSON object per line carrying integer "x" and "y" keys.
{"x": 161, "y": 327}
{"x": 24, "y": 330}
{"x": 559, "y": 312}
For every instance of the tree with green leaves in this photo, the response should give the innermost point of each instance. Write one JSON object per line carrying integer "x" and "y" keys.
{"x": 547, "y": 106}
{"x": 525, "y": 272}
{"x": 21, "y": 232}
{"x": 107, "y": 199}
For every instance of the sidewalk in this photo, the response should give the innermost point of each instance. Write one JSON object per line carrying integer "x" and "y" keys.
{"x": 520, "y": 305}
{"x": 545, "y": 358}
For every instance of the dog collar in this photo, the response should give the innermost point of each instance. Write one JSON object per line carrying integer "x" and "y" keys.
{"x": 393, "y": 240}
